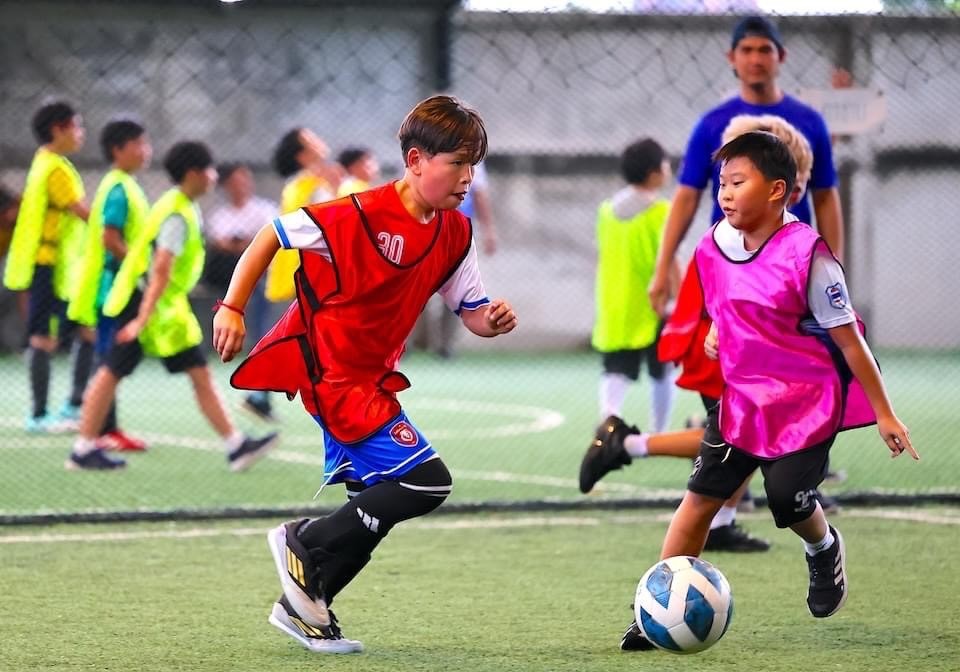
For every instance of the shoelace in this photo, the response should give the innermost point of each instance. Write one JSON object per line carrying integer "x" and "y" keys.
{"x": 333, "y": 630}
{"x": 821, "y": 565}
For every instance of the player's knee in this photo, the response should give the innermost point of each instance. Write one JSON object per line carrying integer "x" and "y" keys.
{"x": 431, "y": 482}
{"x": 788, "y": 505}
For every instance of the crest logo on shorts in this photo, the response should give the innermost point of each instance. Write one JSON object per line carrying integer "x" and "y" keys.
{"x": 836, "y": 295}
{"x": 403, "y": 434}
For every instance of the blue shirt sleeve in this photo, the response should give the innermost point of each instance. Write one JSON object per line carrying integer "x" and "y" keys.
{"x": 115, "y": 208}
{"x": 697, "y": 166}
{"x": 824, "y": 174}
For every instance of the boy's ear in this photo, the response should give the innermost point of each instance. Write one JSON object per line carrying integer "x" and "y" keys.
{"x": 413, "y": 158}
{"x": 778, "y": 190}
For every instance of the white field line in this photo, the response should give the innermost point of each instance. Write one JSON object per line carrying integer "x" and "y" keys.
{"x": 469, "y": 523}
{"x": 529, "y": 420}
{"x": 542, "y": 420}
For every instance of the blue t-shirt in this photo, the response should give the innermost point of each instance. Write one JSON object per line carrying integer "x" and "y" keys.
{"x": 698, "y": 166}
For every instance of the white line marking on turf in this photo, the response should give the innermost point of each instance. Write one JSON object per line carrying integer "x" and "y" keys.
{"x": 470, "y": 523}
{"x": 545, "y": 421}
{"x": 536, "y": 420}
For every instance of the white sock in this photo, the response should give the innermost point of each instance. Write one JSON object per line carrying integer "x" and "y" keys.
{"x": 664, "y": 392}
{"x": 636, "y": 444}
{"x": 612, "y": 392}
{"x": 725, "y": 516}
{"x": 84, "y": 446}
{"x": 822, "y": 545}
{"x": 234, "y": 440}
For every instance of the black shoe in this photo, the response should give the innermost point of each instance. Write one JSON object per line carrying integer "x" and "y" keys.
{"x": 251, "y": 450}
{"x": 633, "y": 640}
{"x": 828, "y": 578}
{"x": 695, "y": 422}
{"x": 734, "y": 539}
{"x": 95, "y": 460}
{"x": 259, "y": 406}
{"x": 606, "y": 453}
{"x": 827, "y": 503}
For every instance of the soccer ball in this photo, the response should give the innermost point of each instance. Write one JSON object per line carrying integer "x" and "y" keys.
{"x": 683, "y": 604}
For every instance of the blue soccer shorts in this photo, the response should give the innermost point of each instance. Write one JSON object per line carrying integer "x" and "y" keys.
{"x": 386, "y": 456}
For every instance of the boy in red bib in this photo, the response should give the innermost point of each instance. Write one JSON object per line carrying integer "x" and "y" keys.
{"x": 368, "y": 264}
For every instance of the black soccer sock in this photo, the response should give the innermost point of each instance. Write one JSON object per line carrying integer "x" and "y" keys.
{"x": 39, "y": 366}
{"x": 344, "y": 540}
{"x": 110, "y": 422}
{"x": 82, "y": 365}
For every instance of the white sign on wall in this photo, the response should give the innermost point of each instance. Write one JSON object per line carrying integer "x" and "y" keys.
{"x": 848, "y": 111}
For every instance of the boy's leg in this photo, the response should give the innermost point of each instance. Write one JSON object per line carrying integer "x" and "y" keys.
{"x": 82, "y": 353}
{"x": 118, "y": 363}
{"x": 38, "y": 365}
{"x": 42, "y": 305}
{"x": 717, "y": 473}
{"x": 242, "y": 451}
{"x": 664, "y": 392}
{"x": 621, "y": 368}
{"x": 791, "y": 485}
{"x": 346, "y": 538}
{"x": 689, "y": 526}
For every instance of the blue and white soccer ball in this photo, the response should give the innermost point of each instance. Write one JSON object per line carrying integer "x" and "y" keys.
{"x": 683, "y": 604}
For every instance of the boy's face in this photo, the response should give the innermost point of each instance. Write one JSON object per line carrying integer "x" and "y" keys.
{"x": 747, "y": 198}
{"x": 239, "y": 186}
{"x": 366, "y": 169}
{"x": 314, "y": 149}
{"x": 444, "y": 178}
{"x": 69, "y": 136}
{"x": 134, "y": 154}
{"x": 756, "y": 60}
{"x": 199, "y": 181}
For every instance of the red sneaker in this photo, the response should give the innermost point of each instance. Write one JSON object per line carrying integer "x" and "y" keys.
{"x": 120, "y": 442}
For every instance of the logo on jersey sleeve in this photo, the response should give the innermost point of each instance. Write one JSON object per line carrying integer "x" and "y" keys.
{"x": 404, "y": 435}
{"x": 838, "y": 298}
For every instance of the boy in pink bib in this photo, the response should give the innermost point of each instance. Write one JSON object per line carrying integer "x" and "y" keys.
{"x": 796, "y": 368}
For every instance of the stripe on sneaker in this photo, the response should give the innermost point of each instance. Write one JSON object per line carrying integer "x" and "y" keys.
{"x": 295, "y": 568}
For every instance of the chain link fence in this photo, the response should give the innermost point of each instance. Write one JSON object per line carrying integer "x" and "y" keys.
{"x": 562, "y": 93}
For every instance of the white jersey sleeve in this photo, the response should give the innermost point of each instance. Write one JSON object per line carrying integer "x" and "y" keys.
{"x": 464, "y": 290}
{"x": 827, "y": 294}
{"x": 296, "y": 231}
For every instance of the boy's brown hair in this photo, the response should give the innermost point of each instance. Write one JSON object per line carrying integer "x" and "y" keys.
{"x": 443, "y": 124}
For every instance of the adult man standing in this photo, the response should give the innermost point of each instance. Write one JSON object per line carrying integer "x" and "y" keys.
{"x": 756, "y": 53}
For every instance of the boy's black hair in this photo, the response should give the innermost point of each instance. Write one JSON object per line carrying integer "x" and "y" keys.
{"x": 443, "y": 124}
{"x": 285, "y": 155}
{"x": 641, "y": 158}
{"x": 55, "y": 113}
{"x": 351, "y": 155}
{"x": 767, "y": 152}
{"x": 116, "y": 134}
{"x": 228, "y": 168}
{"x": 185, "y": 156}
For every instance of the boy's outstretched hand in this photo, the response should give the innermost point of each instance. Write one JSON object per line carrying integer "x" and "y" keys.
{"x": 228, "y": 333}
{"x": 500, "y": 317}
{"x": 896, "y": 436}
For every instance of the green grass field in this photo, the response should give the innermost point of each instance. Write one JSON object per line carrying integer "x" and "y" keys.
{"x": 512, "y": 427}
{"x": 478, "y": 593}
